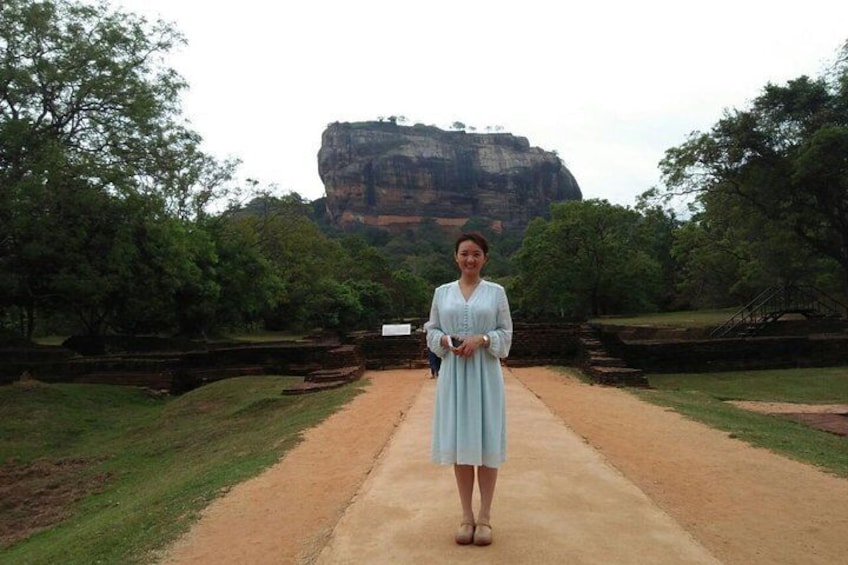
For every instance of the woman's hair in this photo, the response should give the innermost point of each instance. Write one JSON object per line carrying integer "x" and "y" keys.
{"x": 474, "y": 236}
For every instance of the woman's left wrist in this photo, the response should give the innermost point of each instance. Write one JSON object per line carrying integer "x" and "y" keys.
{"x": 484, "y": 340}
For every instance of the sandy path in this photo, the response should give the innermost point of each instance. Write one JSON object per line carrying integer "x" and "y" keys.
{"x": 743, "y": 504}
{"x": 288, "y": 511}
{"x": 558, "y": 501}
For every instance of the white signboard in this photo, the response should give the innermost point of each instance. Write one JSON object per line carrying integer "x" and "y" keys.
{"x": 397, "y": 329}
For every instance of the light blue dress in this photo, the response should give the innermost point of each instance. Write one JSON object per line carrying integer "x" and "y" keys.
{"x": 469, "y": 420}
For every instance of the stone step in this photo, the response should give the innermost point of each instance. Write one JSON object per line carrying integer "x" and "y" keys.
{"x": 303, "y": 368}
{"x": 407, "y": 363}
{"x": 307, "y": 388}
{"x": 618, "y": 376}
{"x": 605, "y": 361}
{"x": 222, "y": 372}
{"x": 346, "y": 374}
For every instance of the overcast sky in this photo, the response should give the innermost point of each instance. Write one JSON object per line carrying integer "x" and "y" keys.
{"x": 609, "y": 85}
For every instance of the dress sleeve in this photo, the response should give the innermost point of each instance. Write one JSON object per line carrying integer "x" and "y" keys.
{"x": 434, "y": 328}
{"x": 501, "y": 337}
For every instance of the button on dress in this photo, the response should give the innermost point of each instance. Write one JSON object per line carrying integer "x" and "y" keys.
{"x": 469, "y": 419}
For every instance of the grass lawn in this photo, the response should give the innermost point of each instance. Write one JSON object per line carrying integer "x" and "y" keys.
{"x": 251, "y": 337}
{"x": 107, "y": 474}
{"x": 267, "y": 336}
{"x": 55, "y": 340}
{"x": 684, "y": 319}
{"x": 702, "y": 396}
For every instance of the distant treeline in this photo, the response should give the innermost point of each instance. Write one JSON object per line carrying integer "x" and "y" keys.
{"x": 112, "y": 219}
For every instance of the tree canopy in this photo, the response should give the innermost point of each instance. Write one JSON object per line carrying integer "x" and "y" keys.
{"x": 113, "y": 219}
{"x": 591, "y": 258}
{"x": 100, "y": 178}
{"x": 773, "y": 178}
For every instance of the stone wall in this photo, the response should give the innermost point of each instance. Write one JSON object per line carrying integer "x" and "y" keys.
{"x": 663, "y": 351}
{"x": 732, "y": 354}
{"x": 532, "y": 344}
{"x": 392, "y": 352}
{"x": 544, "y": 344}
{"x": 174, "y": 370}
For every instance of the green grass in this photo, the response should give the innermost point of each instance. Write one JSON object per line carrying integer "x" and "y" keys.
{"x": 164, "y": 460}
{"x": 55, "y": 340}
{"x": 266, "y": 336}
{"x": 702, "y": 396}
{"x": 251, "y": 337}
{"x": 827, "y": 385}
{"x": 683, "y": 319}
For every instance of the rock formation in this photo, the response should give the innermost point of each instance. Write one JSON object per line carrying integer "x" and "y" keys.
{"x": 392, "y": 176}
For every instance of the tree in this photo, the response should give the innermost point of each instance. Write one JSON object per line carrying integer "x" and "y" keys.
{"x": 89, "y": 129}
{"x": 778, "y": 167}
{"x": 658, "y": 227}
{"x": 725, "y": 255}
{"x": 707, "y": 269}
{"x": 410, "y": 295}
{"x": 157, "y": 261}
{"x": 249, "y": 285}
{"x": 333, "y": 305}
{"x": 363, "y": 262}
{"x": 300, "y": 255}
{"x": 88, "y": 79}
{"x": 544, "y": 285}
{"x": 375, "y": 305}
{"x": 172, "y": 168}
{"x": 589, "y": 259}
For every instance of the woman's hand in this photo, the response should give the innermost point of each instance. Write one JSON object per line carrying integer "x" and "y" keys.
{"x": 455, "y": 345}
{"x": 469, "y": 345}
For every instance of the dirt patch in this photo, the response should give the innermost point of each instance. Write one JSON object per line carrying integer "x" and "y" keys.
{"x": 833, "y": 423}
{"x": 35, "y": 496}
{"x": 790, "y": 407}
{"x": 831, "y": 418}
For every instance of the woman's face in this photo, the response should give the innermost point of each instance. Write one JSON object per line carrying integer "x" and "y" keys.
{"x": 470, "y": 258}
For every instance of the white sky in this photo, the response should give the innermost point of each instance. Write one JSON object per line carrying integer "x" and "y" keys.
{"x": 610, "y": 85}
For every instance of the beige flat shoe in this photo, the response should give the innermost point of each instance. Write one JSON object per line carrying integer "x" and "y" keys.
{"x": 465, "y": 533}
{"x": 483, "y": 534}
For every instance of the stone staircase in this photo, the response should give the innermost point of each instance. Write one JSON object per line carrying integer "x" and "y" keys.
{"x": 602, "y": 367}
{"x": 326, "y": 379}
{"x": 345, "y": 365}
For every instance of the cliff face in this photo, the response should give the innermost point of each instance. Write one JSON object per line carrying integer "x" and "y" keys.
{"x": 383, "y": 174}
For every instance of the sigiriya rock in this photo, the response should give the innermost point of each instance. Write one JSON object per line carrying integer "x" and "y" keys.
{"x": 387, "y": 175}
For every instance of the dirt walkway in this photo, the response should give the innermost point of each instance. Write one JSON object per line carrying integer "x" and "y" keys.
{"x": 744, "y": 505}
{"x": 289, "y": 510}
{"x": 558, "y": 501}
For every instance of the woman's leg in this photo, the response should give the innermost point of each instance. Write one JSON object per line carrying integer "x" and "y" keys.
{"x": 487, "y": 477}
{"x": 465, "y": 485}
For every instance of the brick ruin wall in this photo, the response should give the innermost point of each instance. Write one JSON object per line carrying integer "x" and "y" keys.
{"x": 729, "y": 354}
{"x": 533, "y": 344}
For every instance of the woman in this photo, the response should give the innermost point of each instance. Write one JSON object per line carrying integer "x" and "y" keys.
{"x": 471, "y": 330}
